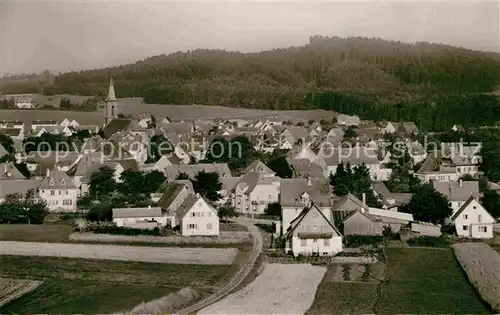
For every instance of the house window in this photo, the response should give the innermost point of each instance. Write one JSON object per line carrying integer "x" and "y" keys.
{"x": 465, "y": 216}
{"x": 303, "y": 242}
{"x": 209, "y": 226}
{"x": 210, "y": 214}
{"x": 192, "y": 226}
{"x": 474, "y": 207}
{"x": 60, "y": 192}
{"x": 326, "y": 242}
{"x": 193, "y": 214}
{"x": 465, "y": 227}
{"x": 67, "y": 192}
{"x": 483, "y": 229}
{"x": 479, "y": 218}
{"x": 67, "y": 202}
{"x": 315, "y": 240}
{"x": 52, "y": 192}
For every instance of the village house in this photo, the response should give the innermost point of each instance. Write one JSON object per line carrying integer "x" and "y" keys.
{"x": 299, "y": 193}
{"x": 472, "y": 220}
{"x": 139, "y": 218}
{"x": 255, "y": 191}
{"x": 293, "y": 134}
{"x": 227, "y": 190}
{"x": 69, "y": 123}
{"x": 388, "y": 127}
{"x": 457, "y": 193}
{"x": 197, "y": 217}
{"x": 461, "y": 159}
{"x": 416, "y": 151}
{"x": 346, "y": 120}
{"x": 384, "y": 196}
{"x": 345, "y": 206}
{"x": 431, "y": 170}
{"x": 312, "y": 233}
{"x": 359, "y": 222}
{"x": 59, "y": 192}
{"x": 408, "y": 128}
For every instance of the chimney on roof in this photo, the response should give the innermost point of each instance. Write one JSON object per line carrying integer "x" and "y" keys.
{"x": 460, "y": 184}
{"x": 197, "y": 195}
{"x": 5, "y": 170}
{"x": 308, "y": 181}
{"x": 47, "y": 174}
{"x": 364, "y": 199}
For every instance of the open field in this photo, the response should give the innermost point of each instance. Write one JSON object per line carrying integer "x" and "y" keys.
{"x": 135, "y": 107}
{"x": 11, "y": 289}
{"x": 173, "y": 255}
{"x": 426, "y": 281}
{"x": 35, "y": 233}
{"x": 279, "y": 289}
{"x": 482, "y": 265}
{"x": 91, "y": 286}
{"x": 348, "y": 289}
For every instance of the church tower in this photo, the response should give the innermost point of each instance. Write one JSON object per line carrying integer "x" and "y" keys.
{"x": 111, "y": 103}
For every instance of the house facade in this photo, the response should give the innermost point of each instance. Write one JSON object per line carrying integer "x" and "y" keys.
{"x": 254, "y": 191}
{"x": 472, "y": 220}
{"x": 139, "y": 218}
{"x": 197, "y": 217}
{"x": 312, "y": 233}
{"x": 59, "y": 191}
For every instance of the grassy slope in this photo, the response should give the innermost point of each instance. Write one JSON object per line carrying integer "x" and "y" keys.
{"x": 426, "y": 281}
{"x": 92, "y": 286}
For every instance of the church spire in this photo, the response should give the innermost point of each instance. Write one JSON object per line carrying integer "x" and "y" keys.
{"x": 111, "y": 91}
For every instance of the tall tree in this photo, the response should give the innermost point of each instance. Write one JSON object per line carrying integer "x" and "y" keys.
{"x": 491, "y": 202}
{"x": 102, "y": 182}
{"x": 208, "y": 185}
{"x": 428, "y": 205}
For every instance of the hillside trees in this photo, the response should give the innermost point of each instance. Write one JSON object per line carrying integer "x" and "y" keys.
{"x": 432, "y": 84}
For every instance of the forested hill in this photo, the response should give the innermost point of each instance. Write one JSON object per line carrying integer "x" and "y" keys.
{"x": 433, "y": 84}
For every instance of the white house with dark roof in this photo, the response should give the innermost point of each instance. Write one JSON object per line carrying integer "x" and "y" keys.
{"x": 472, "y": 220}
{"x": 457, "y": 192}
{"x": 313, "y": 233}
{"x": 59, "y": 191}
{"x": 139, "y": 218}
{"x": 69, "y": 123}
{"x": 197, "y": 217}
{"x": 299, "y": 193}
{"x": 346, "y": 120}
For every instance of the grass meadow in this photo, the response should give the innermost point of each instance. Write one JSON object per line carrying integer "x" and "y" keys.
{"x": 415, "y": 281}
{"x": 93, "y": 286}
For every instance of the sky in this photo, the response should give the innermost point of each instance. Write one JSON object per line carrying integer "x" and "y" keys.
{"x": 72, "y": 35}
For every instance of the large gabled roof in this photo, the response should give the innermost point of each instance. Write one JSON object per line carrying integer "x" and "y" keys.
{"x": 296, "y": 222}
{"x": 114, "y": 126}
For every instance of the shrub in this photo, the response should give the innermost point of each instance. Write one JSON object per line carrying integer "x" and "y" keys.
{"x": 360, "y": 240}
{"x": 111, "y": 228}
{"x": 429, "y": 241}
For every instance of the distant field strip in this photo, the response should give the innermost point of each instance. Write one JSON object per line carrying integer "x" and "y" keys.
{"x": 171, "y": 255}
{"x": 11, "y": 289}
{"x": 279, "y": 289}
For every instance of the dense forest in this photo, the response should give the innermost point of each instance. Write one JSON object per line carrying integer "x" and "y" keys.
{"x": 434, "y": 85}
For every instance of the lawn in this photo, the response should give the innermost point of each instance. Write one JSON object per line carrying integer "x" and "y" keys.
{"x": 426, "y": 281}
{"x": 35, "y": 232}
{"x": 93, "y": 286}
{"x": 333, "y": 297}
